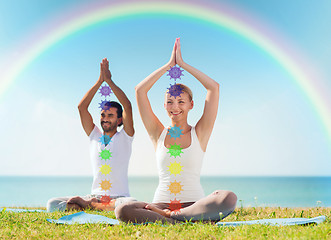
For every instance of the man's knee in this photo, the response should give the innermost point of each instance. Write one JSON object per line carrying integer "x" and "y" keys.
{"x": 124, "y": 210}
{"x": 55, "y": 204}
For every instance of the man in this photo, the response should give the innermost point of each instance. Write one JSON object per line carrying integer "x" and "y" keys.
{"x": 110, "y": 151}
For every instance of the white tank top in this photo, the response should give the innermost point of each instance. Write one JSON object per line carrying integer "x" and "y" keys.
{"x": 179, "y": 175}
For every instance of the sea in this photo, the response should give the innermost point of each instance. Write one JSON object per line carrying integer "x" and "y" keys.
{"x": 23, "y": 191}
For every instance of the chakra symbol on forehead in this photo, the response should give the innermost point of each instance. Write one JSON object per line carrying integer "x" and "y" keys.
{"x": 104, "y": 105}
{"x": 175, "y": 72}
{"x": 105, "y": 91}
{"x": 175, "y": 150}
{"x": 175, "y": 132}
{"x": 175, "y": 90}
{"x": 105, "y": 139}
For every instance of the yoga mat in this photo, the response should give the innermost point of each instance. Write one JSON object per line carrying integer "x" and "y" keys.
{"x": 276, "y": 221}
{"x": 82, "y": 218}
{"x": 21, "y": 210}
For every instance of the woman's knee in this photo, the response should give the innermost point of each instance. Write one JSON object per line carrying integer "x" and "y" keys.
{"x": 226, "y": 197}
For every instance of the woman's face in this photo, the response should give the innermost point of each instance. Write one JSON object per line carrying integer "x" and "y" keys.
{"x": 178, "y": 108}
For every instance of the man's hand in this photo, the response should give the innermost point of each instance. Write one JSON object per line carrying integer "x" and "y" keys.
{"x": 105, "y": 73}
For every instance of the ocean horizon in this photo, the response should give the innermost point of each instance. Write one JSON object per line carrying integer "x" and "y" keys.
{"x": 34, "y": 191}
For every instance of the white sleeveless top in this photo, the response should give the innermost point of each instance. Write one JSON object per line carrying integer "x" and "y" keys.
{"x": 110, "y": 176}
{"x": 179, "y": 177}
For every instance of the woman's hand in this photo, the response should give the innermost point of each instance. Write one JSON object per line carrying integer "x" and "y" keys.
{"x": 164, "y": 212}
{"x": 172, "y": 61}
{"x": 179, "y": 59}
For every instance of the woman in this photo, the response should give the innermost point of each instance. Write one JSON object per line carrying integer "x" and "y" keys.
{"x": 179, "y": 153}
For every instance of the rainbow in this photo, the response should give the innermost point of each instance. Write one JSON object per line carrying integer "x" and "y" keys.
{"x": 223, "y": 18}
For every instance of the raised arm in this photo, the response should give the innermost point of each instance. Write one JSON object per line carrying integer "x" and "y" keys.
{"x": 127, "y": 116}
{"x": 205, "y": 125}
{"x": 85, "y": 116}
{"x": 152, "y": 124}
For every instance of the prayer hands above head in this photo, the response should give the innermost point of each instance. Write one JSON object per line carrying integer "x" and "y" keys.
{"x": 179, "y": 59}
{"x": 172, "y": 61}
{"x": 104, "y": 72}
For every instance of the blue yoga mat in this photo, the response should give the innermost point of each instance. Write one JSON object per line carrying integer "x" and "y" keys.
{"x": 21, "y": 210}
{"x": 276, "y": 221}
{"x": 82, "y": 218}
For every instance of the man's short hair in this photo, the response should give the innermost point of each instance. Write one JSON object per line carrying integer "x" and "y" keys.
{"x": 119, "y": 109}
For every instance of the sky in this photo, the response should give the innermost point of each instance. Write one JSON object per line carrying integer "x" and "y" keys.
{"x": 266, "y": 124}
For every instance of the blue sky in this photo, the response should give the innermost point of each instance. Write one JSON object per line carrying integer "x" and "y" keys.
{"x": 265, "y": 126}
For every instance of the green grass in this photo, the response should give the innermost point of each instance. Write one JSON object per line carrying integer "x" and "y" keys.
{"x": 35, "y": 226}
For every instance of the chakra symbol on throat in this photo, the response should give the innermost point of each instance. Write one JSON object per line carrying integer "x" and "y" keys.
{"x": 175, "y": 150}
{"x": 175, "y": 90}
{"x": 105, "y": 185}
{"x": 105, "y": 169}
{"x": 175, "y": 72}
{"x": 175, "y": 168}
{"x": 105, "y": 154}
{"x": 105, "y": 91}
{"x": 175, "y": 132}
{"x": 105, "y": 139}
{"x": 175, "y": 187}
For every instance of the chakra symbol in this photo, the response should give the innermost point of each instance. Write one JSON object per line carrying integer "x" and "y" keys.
{"x": 175, "y": 150}
{"x": 175, "y": 90}
{"x": 175, "y": 168}
{"x": 104, "y": 105}
{"x": 105, "y": 169}
{"x": 105, "y": 154}
{"x": 105, "y": 199}
{"x": 105, "y": 185}
{"x": 175, "y": 72}
{"x": 175, "y": 187}
{"x": 105, "y": 90}
{"x": 175, "y": 132}
{"x": 175, "y": 205}
{"x": 105, "y": 139}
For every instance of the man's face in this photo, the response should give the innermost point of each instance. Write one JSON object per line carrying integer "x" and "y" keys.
{"x": 109, "y": 120}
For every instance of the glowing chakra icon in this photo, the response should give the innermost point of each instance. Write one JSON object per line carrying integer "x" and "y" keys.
{"x": 175, "y": 150}
{"x": 105, "y": 90}
{"x": 104, "y": 105}
{"x": 105, "y": 185}
{"x": 175, "y": 72}
{"x": 175, "y": 168}
{"x": 105, "y": 154}
{"x": 105, "y": 199}
{"x": 175, "y": 132}
{"x": 175, "y": 205}
{"x": 175, "y": 90}
{"x": 105, "y": 139}
{"x": 175, "y": 187}
{"x": 105, "y": 169}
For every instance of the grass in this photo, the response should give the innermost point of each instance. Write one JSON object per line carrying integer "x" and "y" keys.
{"x": 35, "y": 226}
